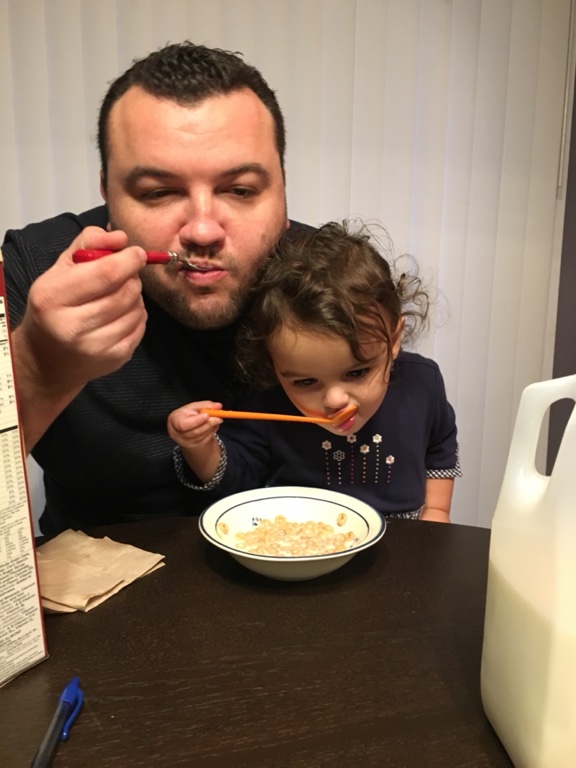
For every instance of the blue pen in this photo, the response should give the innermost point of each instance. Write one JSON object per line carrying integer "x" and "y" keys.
{"x": 67, "y": 710}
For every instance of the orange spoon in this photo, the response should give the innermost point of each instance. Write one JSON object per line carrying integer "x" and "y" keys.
{"x": 338, "y": 418}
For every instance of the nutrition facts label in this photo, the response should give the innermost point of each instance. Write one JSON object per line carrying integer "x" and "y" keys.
{"x": 13, "y": 484}
{"x": 21, "y": 630}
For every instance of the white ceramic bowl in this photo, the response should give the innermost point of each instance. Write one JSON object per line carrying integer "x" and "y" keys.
{"x": 241, "y": 512}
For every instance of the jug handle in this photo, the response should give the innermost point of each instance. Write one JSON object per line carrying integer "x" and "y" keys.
{"x": 535, "y": 401}
{"x": 564, "y": 464}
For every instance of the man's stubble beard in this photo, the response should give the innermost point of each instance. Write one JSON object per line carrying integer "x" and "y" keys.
{"x": 174, "y": 301}
{"x": 207, "y": 314}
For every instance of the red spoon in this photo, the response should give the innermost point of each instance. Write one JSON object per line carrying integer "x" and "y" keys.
{"x": 152, "y": 257}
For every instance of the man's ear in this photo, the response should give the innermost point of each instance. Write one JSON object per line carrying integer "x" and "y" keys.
{"x": 102, "y": 186}
{"x": 103, "y": 193}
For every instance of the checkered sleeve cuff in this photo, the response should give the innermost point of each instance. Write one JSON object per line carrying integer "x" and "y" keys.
{"x": 450, "y": 473}
{"x": 189, "y": 479}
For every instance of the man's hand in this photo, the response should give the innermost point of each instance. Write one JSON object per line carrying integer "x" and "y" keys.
{"x": 81, "y": 321}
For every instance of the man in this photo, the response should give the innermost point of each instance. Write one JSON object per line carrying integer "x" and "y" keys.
{"x": 192, "y": 150}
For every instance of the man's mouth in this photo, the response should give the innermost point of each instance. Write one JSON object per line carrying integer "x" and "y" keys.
{"x": 197, "y": 267}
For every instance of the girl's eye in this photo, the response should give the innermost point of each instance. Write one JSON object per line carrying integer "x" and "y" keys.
{"x": 358, "y": 373}
{"x": 303, "y": 382}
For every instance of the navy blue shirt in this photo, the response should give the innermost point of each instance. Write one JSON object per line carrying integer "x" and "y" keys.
{"x": 108, "y": 458}
{"x": 412, "y": 437}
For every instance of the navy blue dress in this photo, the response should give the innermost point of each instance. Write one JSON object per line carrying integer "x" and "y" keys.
{"x": 412, "y": 437}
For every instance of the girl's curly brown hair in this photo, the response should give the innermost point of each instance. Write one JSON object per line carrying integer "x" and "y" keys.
{"x": 332, "y": 281}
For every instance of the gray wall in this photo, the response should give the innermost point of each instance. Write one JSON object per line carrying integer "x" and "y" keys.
{"x": 565, "y": 344}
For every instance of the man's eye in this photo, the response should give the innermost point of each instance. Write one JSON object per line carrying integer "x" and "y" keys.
{"x": 242, "y": 192}
{"x": 156, "y": 194}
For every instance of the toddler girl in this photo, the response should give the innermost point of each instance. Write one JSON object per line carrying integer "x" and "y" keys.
{"x": 324, "y": 332}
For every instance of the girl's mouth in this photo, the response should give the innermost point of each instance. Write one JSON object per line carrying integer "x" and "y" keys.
{"x": 344, "y": 426}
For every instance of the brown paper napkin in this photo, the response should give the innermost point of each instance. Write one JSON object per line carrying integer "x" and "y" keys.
{"x": 78, "y": 572}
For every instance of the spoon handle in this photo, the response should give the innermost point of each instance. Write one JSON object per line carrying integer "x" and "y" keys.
{"x": 152, "y": 257}
{"x": 263, "y": 416}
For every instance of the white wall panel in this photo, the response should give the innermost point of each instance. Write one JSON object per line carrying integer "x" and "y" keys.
{"x": 440, "y": 120}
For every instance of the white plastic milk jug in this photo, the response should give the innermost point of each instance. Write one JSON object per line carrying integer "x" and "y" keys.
{"x": 529, "y": 653}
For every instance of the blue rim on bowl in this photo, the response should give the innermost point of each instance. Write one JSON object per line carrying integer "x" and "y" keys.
{"x": 240, "y": 512}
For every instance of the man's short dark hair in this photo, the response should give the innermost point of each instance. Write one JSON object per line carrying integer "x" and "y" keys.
{"x": 187, "y": 74}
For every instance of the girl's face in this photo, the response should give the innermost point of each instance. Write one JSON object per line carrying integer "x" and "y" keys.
{"x": 321, "y": 377}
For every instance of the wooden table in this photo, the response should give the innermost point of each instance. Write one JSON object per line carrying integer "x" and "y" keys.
{"x": 206, "y": 665}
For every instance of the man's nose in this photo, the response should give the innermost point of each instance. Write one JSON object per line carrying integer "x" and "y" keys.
{"x": 201, "y": 228}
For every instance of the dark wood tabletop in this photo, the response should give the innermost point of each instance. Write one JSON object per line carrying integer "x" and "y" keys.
{"x": 205, "y": 664}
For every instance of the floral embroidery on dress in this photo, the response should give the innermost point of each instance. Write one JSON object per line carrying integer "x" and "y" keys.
{"x": 377, "y": 439}
{"x": 364, "y": 450}
{"x": 327, "y": 445}
{"x": 352, "y": 439}
{"x": 389, "y": 461}
{"x": 340, "y": 463}
{"x": 339, "y": 457}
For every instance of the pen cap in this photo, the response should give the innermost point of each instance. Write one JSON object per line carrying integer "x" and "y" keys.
{"x": 73, "y": 696}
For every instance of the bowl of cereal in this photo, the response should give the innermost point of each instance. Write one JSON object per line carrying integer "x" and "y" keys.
{"x": 291, "y": 533}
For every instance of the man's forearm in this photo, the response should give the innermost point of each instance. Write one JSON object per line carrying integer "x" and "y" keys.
{"x": 38, "y": 404}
